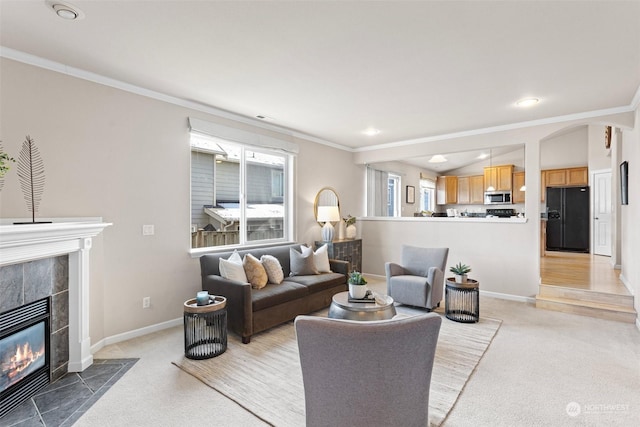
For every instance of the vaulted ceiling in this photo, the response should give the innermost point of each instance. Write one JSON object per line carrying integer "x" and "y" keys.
{"x": 331, "y": 69}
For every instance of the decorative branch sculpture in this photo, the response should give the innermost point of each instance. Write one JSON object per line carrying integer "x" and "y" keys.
{"x": 31, "y": 174}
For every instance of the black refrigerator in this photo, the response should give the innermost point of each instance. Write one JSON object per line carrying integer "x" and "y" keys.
{"x": 568, "y": 219}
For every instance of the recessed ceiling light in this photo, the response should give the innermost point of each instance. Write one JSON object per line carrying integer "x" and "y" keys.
{"x": 371, "y": 131}
{"x": 438, "y": 158}
{"x": 65, "y": 10}
{"x": 527, "y": 102}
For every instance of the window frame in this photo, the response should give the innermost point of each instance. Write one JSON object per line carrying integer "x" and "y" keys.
{"x": 287, "y": 175}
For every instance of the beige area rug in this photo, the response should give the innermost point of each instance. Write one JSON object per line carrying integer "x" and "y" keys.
{"x": 264, "y": 377}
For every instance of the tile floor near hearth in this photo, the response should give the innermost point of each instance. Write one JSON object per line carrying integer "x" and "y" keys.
{"x": 64, "y": 401}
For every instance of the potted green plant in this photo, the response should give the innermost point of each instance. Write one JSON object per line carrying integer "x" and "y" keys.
{"x": 460, "y": 271}
{"x": 357, "y": 285}
{"x": 350, "y": 223}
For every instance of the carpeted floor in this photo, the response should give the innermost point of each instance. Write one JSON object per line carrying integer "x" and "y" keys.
{"x": 264, "y": 377}
{"x": 538, "y": 363}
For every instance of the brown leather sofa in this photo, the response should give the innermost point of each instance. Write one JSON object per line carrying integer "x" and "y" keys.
{"x": 250, "y": 311}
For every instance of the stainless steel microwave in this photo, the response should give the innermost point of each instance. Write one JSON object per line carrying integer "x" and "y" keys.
{"x": 497, "y": 198}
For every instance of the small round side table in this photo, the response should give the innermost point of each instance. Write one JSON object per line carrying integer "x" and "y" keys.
{"x": 462, "y": 300}
{"x": 205, "y": 328}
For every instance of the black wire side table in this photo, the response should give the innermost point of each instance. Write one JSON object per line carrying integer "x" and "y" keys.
{"x": 462, "y": 301}
{"x": 205, "y": 328}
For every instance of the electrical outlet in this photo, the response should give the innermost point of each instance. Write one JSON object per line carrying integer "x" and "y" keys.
{"x": 146, "y": 302}
{"x": 148, "y": 230}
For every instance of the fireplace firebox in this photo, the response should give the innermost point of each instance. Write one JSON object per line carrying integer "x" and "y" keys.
{"x": 24, "y": 353}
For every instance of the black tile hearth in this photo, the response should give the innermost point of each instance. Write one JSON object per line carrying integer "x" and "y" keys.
{"x": 64, "y": 401}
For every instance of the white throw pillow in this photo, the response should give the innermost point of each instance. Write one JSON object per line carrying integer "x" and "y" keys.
{"x": 274, "y": 270}
{"x": 232, "y": 268}
{"x": 321, "y": 259}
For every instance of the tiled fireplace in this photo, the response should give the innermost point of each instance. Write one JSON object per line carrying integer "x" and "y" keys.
{"x": 44, "y": 305}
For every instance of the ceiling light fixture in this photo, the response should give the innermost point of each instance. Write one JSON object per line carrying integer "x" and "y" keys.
{"x": 371, "y": 131}
{"x": 65, "y": 10}
{"x": 527, "y": 102}
{"x": 437, "y": 158}
{"x": 483, "y": 156}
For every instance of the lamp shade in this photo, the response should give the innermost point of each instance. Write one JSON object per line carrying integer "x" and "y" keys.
{"x": 328, "y": 214}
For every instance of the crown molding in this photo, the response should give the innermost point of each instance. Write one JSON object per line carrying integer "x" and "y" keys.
{"x": 47, "y": 64}
{"x": 502, "y": 128}
{"x": 107, "y": 81}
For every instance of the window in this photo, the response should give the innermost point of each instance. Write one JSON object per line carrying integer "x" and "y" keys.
{"x": 427, "y": 194}
{"x": 394, "y": 197}
{"x": 238, "y": 193}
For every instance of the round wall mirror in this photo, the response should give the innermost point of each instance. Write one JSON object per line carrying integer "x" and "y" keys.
{"x": 327, "y": 196}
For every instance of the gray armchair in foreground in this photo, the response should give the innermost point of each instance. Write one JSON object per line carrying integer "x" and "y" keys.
{"x": 367, "y": 374}
{"x": 419, "y": 281}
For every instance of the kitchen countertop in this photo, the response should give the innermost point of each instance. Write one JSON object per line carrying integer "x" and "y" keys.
{"x": 511, "y": 220}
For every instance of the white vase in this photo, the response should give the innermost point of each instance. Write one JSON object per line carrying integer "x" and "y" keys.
{"x": 351, "y": 231}
{"x": 357, "y": 291}
{"x": 461, "y": 278}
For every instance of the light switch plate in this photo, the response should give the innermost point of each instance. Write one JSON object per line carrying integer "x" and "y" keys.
{"x": 148, "y": 230}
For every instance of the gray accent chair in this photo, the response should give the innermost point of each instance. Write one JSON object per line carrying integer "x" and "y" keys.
{"x": 419, "y": 281}
{"x": 368, "y": 374}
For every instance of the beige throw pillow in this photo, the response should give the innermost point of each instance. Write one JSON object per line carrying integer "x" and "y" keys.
{"x": 256, "y": 274}
{"x": 273, "y": 268}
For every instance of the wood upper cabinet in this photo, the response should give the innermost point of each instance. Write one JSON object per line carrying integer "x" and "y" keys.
{"x": 446, "y": 190}
{"x": 564, "y": 178}
{"x": 499, "y": 177}
{"x": 518, "y": 181}
{"x": 464, "y": 195}
{"x": 578, "y": 176}
{"x": 476, "y": 190}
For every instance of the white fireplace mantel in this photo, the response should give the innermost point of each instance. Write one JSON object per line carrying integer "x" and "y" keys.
{"x": 24, "y": 243}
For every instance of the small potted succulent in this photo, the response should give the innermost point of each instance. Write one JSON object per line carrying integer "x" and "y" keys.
{"x": 460, "y": 271}
{"x": 357, "y": 285}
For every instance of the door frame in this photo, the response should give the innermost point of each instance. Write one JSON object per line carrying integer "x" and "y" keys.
{"x": 592, "y": 203}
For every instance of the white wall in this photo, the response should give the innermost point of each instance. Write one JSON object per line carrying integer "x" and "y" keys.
{"x": 567, "y": 149}
{"x": 630, "y": 231}
{"x": 126, "y": 158}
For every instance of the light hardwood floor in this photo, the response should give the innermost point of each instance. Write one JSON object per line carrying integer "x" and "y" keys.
{"x": 581, "y": 271}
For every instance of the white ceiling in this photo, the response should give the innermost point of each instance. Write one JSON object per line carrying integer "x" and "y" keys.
{"x": 330, "y": 69}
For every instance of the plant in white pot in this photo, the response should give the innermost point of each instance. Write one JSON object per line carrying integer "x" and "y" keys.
{"x": 357, "y": 285}
{"x": 460, "y": 271}
{"x": 350, "y": 223}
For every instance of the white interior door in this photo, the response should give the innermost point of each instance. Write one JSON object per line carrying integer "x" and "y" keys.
{"x": 602, "y": 213}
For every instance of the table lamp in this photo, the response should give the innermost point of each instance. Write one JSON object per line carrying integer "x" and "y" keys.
{"x": 327, "y": 214}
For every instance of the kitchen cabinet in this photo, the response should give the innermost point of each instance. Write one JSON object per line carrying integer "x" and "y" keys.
{"x": 476, "y": 190}
{"x": 499, "y": 177}
{"x": 517, "y": 196}
{"x": 446, "y": 190}
{"x": 566, "y": 177}
{"x": 464, "y": 196}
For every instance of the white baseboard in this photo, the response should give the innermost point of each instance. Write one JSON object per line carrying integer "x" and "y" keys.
{"x": 530, "y": 300}
{"x": 518, "y": 298}
{"x": 135, "y": 334}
